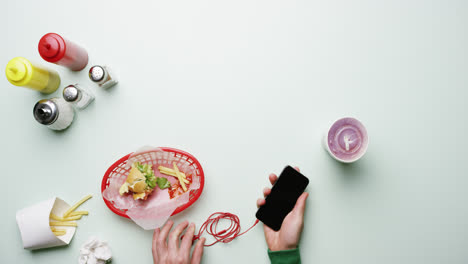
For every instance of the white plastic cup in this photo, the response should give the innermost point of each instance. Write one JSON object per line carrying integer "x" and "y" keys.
{"x": 346, "y": 140}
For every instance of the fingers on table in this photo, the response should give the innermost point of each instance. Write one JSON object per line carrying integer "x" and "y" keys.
{"x": 187, "y": 240}
{"x": 173, "y": 242}
{"x": 266, "y": 191}
{"x": 162, "y": 236}
{"x": 198, "y": 251}
{"x": 155, "y": 238}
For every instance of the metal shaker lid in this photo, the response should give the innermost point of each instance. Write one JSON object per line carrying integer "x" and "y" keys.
{"x": 97, "y": 73}
{"x": 71, "y": 93}
{"x": 45, "y": 112}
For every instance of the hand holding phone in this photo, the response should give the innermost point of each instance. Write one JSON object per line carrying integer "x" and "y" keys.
{"x": 282, "y": 198}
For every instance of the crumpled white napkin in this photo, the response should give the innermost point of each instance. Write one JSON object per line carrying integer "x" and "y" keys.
{"x": 95, "y": 251}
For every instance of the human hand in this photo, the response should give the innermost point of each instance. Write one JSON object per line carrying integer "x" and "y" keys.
{"x": 173, "y": 249}
{"x": 290, "y": 233}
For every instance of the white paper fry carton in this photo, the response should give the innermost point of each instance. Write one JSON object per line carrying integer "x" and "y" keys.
{"x": 33, "y": 223}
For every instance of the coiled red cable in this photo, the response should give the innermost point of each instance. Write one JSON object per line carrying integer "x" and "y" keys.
{"x": 225, "y": 235}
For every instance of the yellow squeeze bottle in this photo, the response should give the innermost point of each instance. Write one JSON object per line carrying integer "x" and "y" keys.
{"x": 21, "y": 72}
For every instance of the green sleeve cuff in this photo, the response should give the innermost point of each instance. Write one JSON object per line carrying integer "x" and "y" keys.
{"x": 291, "y": 256}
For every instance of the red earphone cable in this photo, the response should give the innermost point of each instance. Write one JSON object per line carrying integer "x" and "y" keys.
{"x": 225, "y": 235}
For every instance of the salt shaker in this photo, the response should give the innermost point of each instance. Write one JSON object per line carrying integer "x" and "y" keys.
{"x": 54, "y": 113}
{"x": 77, "y": 96}
{"x": 103, "y": 76}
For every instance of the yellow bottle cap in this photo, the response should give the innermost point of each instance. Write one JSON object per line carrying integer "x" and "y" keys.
{"x": 18, "y": 71}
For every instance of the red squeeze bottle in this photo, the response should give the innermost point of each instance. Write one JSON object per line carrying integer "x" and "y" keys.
{"x": 53, "y": 48}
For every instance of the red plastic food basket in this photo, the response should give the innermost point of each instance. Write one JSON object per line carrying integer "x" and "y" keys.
{"x": 119, "y": 168}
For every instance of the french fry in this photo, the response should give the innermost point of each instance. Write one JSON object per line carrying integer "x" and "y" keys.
{"x": 180, "y": 177}
{"x": 59, "y": 223}
{"x": 57, "y": 229}
{"x": 59, "y": 233}
{"x": 171, "y": 172}
{"x": 75, "y": 213}
{"x": 70, "y": 218}
{"x": 54, "y": 217}
{"x": 71, "y": 209}
{"x": 168, "y": 169}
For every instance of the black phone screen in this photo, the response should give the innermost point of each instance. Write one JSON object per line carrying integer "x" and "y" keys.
{"x": 284, "y": 194}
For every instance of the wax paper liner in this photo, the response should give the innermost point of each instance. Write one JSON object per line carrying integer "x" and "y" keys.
{"x": 155, "y": 211}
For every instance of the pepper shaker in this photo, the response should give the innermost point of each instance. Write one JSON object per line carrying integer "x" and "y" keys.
{"x": 54, "y": 113}
{"x": 103, "y": 76}
{"x": 77, "y": 96}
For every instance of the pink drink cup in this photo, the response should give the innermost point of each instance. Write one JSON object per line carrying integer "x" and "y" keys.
{"x": 346, "y": 140}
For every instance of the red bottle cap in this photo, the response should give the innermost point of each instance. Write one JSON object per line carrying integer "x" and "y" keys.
{"x": 52, "y": 47}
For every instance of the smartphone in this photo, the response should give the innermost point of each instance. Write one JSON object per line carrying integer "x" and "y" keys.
{"x": 284, "y": 194}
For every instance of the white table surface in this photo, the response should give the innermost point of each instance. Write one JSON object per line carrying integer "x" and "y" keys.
{"x": 248, "y": 87}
